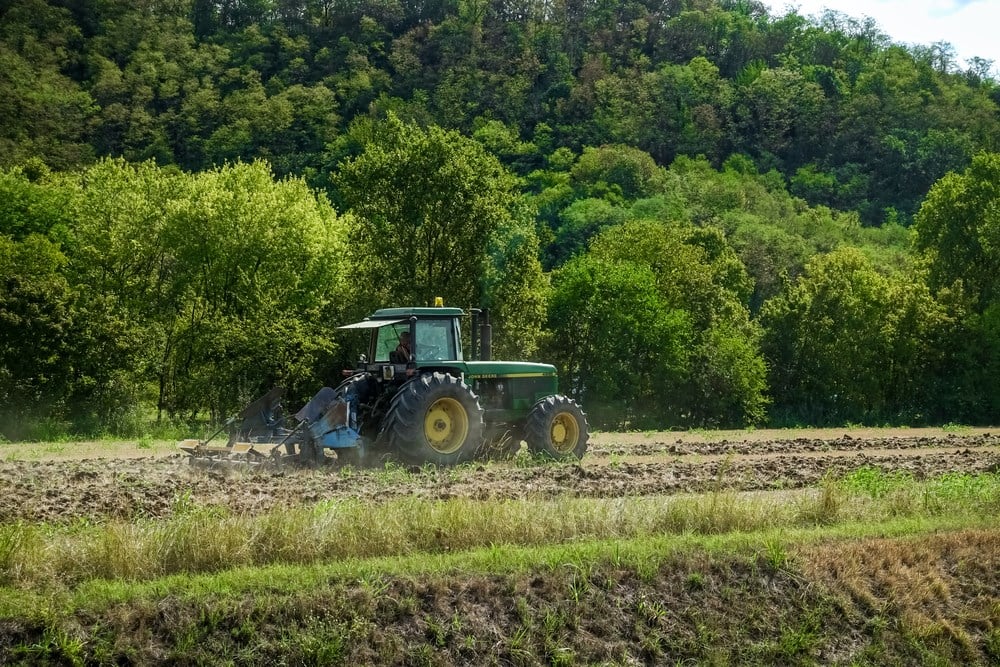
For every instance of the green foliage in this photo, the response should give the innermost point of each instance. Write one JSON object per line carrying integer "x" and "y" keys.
{"x": 581, "y": 221}
{"x": 618, "y": 172}
{"x": 199, "y": 84}
{"x": 46, "y": 113}
{"x": 957, "y": 234}
{"x": 36, "y": 322}
{"x": 347, "y": 534}
{"x": 29, "y": 204}
{"x": 516, "y": 291}
{"x": 619, "y": 345}
{"x": 650, "y": 326}
{"x": 966, "y": 384}
{"x": 958, "y": 230}
{"x": 697, "y": 273}
{"x": 588, "y": 105}
{"x": 780, "y": 114}
{"x": 838, "y": 322}
{"x": 199, "y": 291}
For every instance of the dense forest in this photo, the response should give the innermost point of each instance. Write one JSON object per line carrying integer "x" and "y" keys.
{"x": 702, "y": 213}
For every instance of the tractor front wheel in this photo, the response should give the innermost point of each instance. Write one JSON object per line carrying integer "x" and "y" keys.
{"x": 557, "y": 427}
{"x": 435, "y": 419}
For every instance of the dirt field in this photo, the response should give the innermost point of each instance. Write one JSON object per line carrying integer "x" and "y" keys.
{"x": 68, "y": 482}
{"x": 884, "y": 600}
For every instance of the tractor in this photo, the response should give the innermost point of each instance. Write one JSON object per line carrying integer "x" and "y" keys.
{"x": 414, "y": 396}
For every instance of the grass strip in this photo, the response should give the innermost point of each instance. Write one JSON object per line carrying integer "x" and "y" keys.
{"x": 206, "y": 539}
{"x": 643, "y": 555}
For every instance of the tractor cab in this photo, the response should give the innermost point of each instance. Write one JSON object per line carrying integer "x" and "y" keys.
{"x": 405, "y": 340}
{"x": 432, "y": 336}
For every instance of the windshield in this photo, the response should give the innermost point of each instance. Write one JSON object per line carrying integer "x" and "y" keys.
{"x": 436, "y": 340}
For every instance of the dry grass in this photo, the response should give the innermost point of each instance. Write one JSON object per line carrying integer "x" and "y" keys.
{"x": 69, "y": 449}
{"x": 939, "y": 590}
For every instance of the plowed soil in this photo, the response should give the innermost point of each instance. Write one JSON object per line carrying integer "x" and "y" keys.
{"x": 124, "y": 482}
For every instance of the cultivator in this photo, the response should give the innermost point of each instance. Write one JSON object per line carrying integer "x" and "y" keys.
{"x": 262, "y": 435}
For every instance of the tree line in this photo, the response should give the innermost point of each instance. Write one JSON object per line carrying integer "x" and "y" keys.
{"x": 708, "y": 298}
{"x": 702, "y": 214}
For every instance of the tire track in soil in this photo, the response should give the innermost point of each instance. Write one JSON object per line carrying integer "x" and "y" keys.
{"x": 130, "y": 488}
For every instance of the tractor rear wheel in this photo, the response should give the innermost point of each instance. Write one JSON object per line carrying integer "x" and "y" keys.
{"x": 557, "y": 427}
{"x": 435, "y": 418}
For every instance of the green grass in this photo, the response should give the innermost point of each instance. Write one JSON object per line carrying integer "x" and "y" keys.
{"x": 664, "y": 598}
{"x": 142, "y": 423}
{"x": 99, "y": 447}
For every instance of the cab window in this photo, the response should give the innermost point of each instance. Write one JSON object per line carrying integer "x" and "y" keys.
{"x": 387, "y": 339}
{"x": 435, "y": 340}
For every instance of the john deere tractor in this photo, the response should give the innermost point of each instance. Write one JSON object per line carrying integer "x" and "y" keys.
{"x": 425, "y": 403}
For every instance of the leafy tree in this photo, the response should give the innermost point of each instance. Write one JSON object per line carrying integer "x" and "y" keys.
{"x": 46, "y": 111}
{"x": 503, "y": 141}
{"x": 617, "y": 172}
{"x": 693, "y": 112}
{"x": 225, "y": 275}
{"x": 771, "y": 255}
{"x": 619, "y": 346}
{"x": 838, "y": 322}
{"x": 427, "y": 203}
{"x": 780, "y": 113}
{"x": 587, "y": 102}
{"x": 36, "y": 321}
{"x": 958, "y": 236}
{"x": 624, "y": 108}
{"x": 967, "y": 386}
{"x": 698, "y": 274}
{"x": 45, "y": 114}
{"x": 29, "y": 204}
{"x": 958, "y": 230}
{"x": 516, "y": 290}
{"x": 579, "y": 222}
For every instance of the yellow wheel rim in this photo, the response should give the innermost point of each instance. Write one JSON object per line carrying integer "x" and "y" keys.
{"x": 565, "y": 432}
{"x": 446, "y": 425}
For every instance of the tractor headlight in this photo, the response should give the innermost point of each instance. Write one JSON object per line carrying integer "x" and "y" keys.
{"x": 388, "y": 372}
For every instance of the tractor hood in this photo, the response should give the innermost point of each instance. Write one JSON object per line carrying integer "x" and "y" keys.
{"x": 493, "y": 369}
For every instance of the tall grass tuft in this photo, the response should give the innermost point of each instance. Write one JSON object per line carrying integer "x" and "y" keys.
{"x": 20, "y": 546}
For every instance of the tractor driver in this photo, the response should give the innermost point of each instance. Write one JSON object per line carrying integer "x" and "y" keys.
{"x": 403, "y": 349}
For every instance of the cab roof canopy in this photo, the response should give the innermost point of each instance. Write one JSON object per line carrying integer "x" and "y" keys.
{"x": 395, "y": 313}
{"x": 386, "y": 316}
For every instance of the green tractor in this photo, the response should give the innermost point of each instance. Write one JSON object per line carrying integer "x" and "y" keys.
{"x": 416, "y": 397}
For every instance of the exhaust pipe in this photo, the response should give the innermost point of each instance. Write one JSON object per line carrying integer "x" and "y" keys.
{"x": 474, "y": 333}
{"x": 487, "y": 337}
